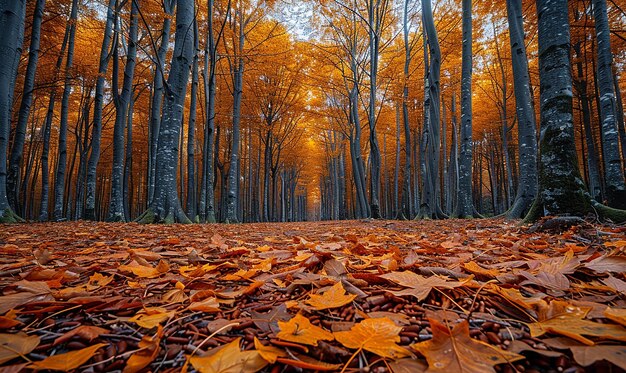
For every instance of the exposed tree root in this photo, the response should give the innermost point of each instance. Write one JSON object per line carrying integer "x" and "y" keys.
{"x": 9, "y": 217}
{"x": 151, "y": 217}
{"x": 556, "y": 224}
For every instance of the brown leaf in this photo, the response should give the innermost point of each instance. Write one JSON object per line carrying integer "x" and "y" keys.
{"x": 419, "y": 286}
{"x": 588, "y": 355}
{"x": 148, "y": 351}
{"x": 30, "y": 292}
{"x": 14, "y": 345}
{"x": 454, "y": 350}
{"x": 85, "y": 332}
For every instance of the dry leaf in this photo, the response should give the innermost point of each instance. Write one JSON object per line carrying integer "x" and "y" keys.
{"x": 86, "y": 332}
{"x": 30, "y": 292}
{"x": 208, "y": 305}
{"x": 474, "y": 268}
{"x": 332, "y": 298}
{"x": 269, "y": 353}
{"x": 375, "y": 335}
{"x": 300, "y": 330}
{"x": 588, "y": 355}
{"x": 455, "y": 351}
{"x": 146, "y": 271}
{"x": 9, "y": 320}
{"x": 150, "y": 317}
{"x": 616, "y": 314}
{"x": 14, "y": 345}
{"x": 229, "y": 359}
{"x": 419, "y": 286}
{"x": 148, "y": 351}
{"x": 69, "y": 360}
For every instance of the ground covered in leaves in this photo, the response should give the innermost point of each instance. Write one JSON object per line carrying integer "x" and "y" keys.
{"x": 358, "y": 296}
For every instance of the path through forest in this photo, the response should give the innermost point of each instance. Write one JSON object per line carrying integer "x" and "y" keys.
{"x": 365, "y": 295}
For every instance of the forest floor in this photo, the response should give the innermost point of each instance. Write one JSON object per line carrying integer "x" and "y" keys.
{"x": 355, "y": 296}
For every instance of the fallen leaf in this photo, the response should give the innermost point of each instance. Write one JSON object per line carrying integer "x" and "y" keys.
{"x": 148, "y": 351}
{"x": 9, "y": 320}
{"x": 616, "y": 314}
{"x": 375, "y": 335}
{"x": 86, "y": 332}
{"x": 30, "y": 292}
{"x": 229, "y": 359}
{"x": 308, "y": 363}
{"x": 69, "y": 360}
{"x": 419, "y": 286}
{"x": 608, "y": 263}
{"x": 300, "y": 330}
{"x": 150, "y": 317}
{"x": 474, "y": 268}
{"x": 454, "y": 350}
{"x": 588, "y": 355}
{"x": 146, "y": 271}
{"x": 208, "y": 305}
{"x": 14, "y": 345}
{"x": 269, "y": 353}
{"x": 334, "y": 297}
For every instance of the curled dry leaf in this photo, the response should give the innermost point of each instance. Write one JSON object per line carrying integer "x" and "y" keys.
{"x": 455, "y": 351}
{"x": 150, "y": 317}
{"x": 375, "y": 335}
{"x": 148, "y": 351}
{"x": 85, "y": 332}
{"x": 300, "y": 330}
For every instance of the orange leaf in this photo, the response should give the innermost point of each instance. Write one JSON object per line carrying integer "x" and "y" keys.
{"x": 616, "y": 314}
{"x": 229, "y": 358}
{"x": 308, "y": 363}
{"x": 8, "y": 321}
{"x": 148, "y": 351}
{"x": 300, "y": 330}
{"x": 454, "y": 350}
{"x": 473, "y": 267}
{"x": 146, "y": 271}
{"x": 375, "y": 335}
{"x": 14, "y": 345}
{"x": 419, "y": 286}
{"x": 68, "y": 361}
{"x": 332, "y": 298}
{"x": 150, "y": 317}
{"x": 269, "y": 353}
{"x": 208, "y": 305}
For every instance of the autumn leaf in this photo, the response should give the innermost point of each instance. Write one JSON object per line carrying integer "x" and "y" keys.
{"x": 86, "y": 332}
{"x": 14, "y": 345}
{"x": 332, "y": 298}
{"x": 150, "y": 317}
{"x": 419, "y": 286}
{"x": 588, "y": 355}
{"x": 269, "y": 353}
{"x": 300, "y": 330}
{"x": 69, "y": 360}
{"x": 454, "y": 350}
{"x": 307, "y": 363}
{"x": 473, "y": 267}
{"x": 569, "y": 321}
{"x": 148, "y": 351}
{"x": 229, "y": 359}
{"x": 616, "y": 314}
{"x": 208, "y": 305}
{"x": 375, "y": 335}
{"x": 30, "y": 291}
{"x": 9, "y": 320}
{"x": 99, "y": 280}
{"x": 146, "y": 271}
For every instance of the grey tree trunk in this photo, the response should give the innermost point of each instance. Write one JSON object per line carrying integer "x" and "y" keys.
{"x": 615, "y": 188}
{"x": 17, "y": 148}
{"x": 165, "y": 206}
{"x": 191, "y": 133}
{"x": 96, "y": 134}
{"x": 407, "y": 199}
{"x": 59, "y": 179}
{"x": 465, "y": 206}
{"x": 620, "y": 118}
{"x": 527, "y": 126}
{"x": 396, "y": 172}
{"x": 122, "y": 102}
{"x": 128, "y": 161}
{"x": 12, "y": 16}
{"x": 157, "y": 94}
{"x": 453, "y": 167}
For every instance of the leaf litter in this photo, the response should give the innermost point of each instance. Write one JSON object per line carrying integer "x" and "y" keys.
{"x": 370, "y": 296}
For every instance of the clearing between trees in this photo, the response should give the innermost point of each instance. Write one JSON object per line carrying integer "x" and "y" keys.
{"x": 355, "y": 296}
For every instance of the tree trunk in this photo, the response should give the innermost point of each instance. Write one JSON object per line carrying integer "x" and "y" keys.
{"x": 122, "y": 101}
{"x": 96, "y": 134}
{"x": 464, "y": 206}
{"x": 166, "y": 206}
{"x": 526, "y": 130}
{"x": 12, "y": 16}
{"x": 17, "y": 148}
{"x": 191, "y": 133}
{"x": 615, "y": 189}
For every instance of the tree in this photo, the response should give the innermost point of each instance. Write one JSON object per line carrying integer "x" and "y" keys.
{"x": 562, "y": 190}
{"x": 526, "y": 127}
{"x": 613, "y": 169}
{"x": 165, "y": 205}
{"x": 12, "y": 18}
{"x": 464, "y": 206}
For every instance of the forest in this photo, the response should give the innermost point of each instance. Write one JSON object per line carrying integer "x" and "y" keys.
{"x": 276, "y": 111}
{"x": 278, "y": 186}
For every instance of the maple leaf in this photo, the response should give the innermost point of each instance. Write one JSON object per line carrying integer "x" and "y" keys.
{"x": 269, "y": 321}
{"x": 150, "y": 317}
{"x": 332, "y": 298}
{"x": 419, "y": 286}
{"x": 375, "y": 335}
{"x": 455, "y": 350}
{"x": 269, "y": 353}
{"x": 229, "y": 359}
{"x": 473, "y": 267}
{"x": 568, "y": 320}
{"x": 608, "y": 263}
{"x": 588, "y": 355}
{"x": 30, "y": 292}
{"x": 69, "y": 360}
{"x": 14, "y": 345}
{"x": 300, "y": 330}
{"x": 148, "y": 351}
